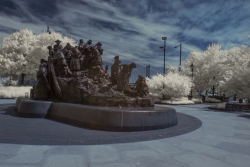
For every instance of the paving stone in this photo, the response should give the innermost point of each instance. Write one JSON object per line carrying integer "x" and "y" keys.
{"x": 113, "y": 164}
{"x": 102, "y": 154}
{"x": 242, "y": 136}
{"x": 65, "y": 161}
{"x": 8, "y": 150}
{"x": 234, "y": 148}
{"x": 198, "y": 160}
{"x": 30, "y": 155}
{"x": 166, "y": 149}
{"x": 68, "y": 149}
{"x": 237, "y": 159}
{"x": 205, "y": 150}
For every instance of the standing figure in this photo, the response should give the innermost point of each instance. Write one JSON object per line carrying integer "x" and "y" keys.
{"x": 124, "y": 75}
{"x": 51, "y": 52}
{"x": 106, "y": 68}
{"x": 86, "y": 51}
{"x": 67, "y": 53}
{"x": 115, "y": 70}
{"x": 98, "y": 46}
{"x": 81, "y": 45}
{"x": 141, "y": 87}
{"x": 96, "y": 59}
{"x": 57, "y": 46}
{"x": 75, "y": 60}
{"x": 42, "y": 85}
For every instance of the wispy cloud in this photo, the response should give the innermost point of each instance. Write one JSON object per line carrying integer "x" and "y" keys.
{"x": 133, "y": 29}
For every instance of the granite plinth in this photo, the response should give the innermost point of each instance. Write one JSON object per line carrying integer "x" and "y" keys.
{"x": 33, "y": 108}
{"x": 18, "y": 101}
{"x": 114, "y": 119}
{"x": 101, "y": 118}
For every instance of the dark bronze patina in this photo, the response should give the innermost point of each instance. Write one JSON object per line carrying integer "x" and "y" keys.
{"x": 75, "y": 75}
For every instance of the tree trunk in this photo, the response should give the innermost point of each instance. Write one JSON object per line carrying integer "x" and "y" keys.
{"x": 23, "y": 75}
{"x": 213, "y": 89}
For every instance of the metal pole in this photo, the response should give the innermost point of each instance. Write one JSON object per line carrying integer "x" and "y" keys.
{"x": 10, "y": 77}
{"x": 164, "y": 70}
{"x": 180, "y": 55}
{"x": 192, "y": 69}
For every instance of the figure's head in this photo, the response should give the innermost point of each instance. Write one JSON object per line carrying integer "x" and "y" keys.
{"x": 81, "y": 40}
{"x": 99, "y": 44}
{"x": 49, "y": 47}
{"x": 90, "y": 42}
{"x": 68, "y": 46}
{"x": 140, "y": 77}
{"x": 132, "y": 65}
{"x": 58, "y": 41}
{"x": 116, "y": 57}
{"x": 43, "y": 62}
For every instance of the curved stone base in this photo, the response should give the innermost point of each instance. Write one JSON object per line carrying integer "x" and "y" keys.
{"x": 18, "y": 101}
{"x": 101, "y": 118}
{"x": 33, "y": 108}
{"x": 114, "y": 119}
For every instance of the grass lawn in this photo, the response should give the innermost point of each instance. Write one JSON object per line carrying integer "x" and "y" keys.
{"x": 14, "y": 91}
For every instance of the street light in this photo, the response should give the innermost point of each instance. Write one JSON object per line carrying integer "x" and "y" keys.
{"x": 192, "y": 68}
{"x": 180, "y": 55}
{"x": 164, "y": 49}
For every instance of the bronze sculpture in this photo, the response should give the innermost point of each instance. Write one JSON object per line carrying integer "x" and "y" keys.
{"x": 42, "y": 86}
{"x": 115, "y": 70}
{"x": 76, "y": 75}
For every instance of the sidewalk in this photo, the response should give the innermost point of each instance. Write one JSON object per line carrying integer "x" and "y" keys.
{"x": 223, "y": 140}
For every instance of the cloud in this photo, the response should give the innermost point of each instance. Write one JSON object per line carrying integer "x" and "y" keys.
{"x": 133, "y": 29}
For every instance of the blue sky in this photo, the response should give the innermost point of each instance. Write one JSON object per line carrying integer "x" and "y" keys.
{"x": 133, "y": 29}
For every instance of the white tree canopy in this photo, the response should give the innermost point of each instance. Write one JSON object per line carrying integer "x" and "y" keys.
{"x": 21, "y": 51}
{"x": 225, "y": 70}
{"x": 175, "y": 85}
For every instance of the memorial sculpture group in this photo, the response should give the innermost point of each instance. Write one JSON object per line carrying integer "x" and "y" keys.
{"x": 75, "y": 74}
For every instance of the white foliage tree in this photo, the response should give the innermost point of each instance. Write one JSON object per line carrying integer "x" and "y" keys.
{"x": 238, "y": 80}
{"x": 210, "y": 67}
{"x": 171, "y": 86}
{"x": 13, "y": 51}
{"x": 21, "y": 51}
{"x": 224, "y": 70}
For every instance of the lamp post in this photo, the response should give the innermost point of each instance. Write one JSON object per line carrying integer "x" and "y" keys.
{"x": 192, "y": 68}
{"x": 23, "y": 75}
{"x": 164, "y": 49}
{"x": 164, "y": 68}
{"x": 10, "y": 77}
{"x": 180, "y": 55}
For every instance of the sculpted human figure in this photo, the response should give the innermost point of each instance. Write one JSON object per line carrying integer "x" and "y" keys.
{"x": 75, "y": 60}
{"x": 86, "y": 48}
{"x": 86, "y": 51}
{"x": 124, "y": 75}
{"x": 98, "y": 46}
{"x": 96, "y": 58}
{"x": 115, "y": 70}
{"x": 141, "y": 87}
{"x": 106, "y": 68}
{"x": 42, "y": 85}
{"x": 51, "y": 52}
{"x": 57, "y": 46}
{"x": 81, "y": 45}
{"x": 67, "y": 53}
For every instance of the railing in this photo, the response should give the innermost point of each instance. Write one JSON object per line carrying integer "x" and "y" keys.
{"x": 237, "y": 107}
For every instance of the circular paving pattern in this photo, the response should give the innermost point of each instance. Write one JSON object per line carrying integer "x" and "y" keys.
{"x": 40, "y": 131}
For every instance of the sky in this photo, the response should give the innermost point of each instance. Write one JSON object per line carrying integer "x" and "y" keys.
{"x": 133, "y": 29}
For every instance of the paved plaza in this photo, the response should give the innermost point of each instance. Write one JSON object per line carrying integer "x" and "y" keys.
{"x": 223, "y": 140}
